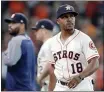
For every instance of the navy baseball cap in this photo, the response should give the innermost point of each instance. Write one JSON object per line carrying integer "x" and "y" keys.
{"x": 17, "y": 18}
{"x": 66, "y": 9}
{"x": 44, "y": 23}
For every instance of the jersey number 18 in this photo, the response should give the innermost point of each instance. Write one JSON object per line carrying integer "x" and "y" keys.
{"x": 78, "y": 66}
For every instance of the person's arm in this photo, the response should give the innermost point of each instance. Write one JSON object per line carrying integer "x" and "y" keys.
{"x": 90, "y": 69}
{"x": 48, "y": 70}
{"x": 13, "y": 52}
{"x": 44, "y": 74}
{"x": 91, "y": 54}
{"x": 47, "y": 58}
{"x": 52, "y": 81}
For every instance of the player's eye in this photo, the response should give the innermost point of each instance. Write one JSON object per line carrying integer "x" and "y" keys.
{"x": 67, "y": 16}
{"x": 71, "y": 15}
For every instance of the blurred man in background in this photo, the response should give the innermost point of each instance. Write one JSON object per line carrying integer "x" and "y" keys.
{"x": 20, "y": 56}
{"x": 43, "y": 31}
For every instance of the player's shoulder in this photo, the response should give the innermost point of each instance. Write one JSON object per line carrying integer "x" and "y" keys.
{"x": 52, "y": 39}
{"x": 20, "y": 38}
{"x": 83, "y": 36}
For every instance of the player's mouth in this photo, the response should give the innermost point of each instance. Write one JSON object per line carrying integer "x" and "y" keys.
{"x": 69, "y": 24}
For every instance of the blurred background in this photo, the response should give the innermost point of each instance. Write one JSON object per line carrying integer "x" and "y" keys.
{"x": 90, "y": 21}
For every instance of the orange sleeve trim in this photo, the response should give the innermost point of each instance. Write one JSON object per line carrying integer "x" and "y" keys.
{"x": 93, "y": 56}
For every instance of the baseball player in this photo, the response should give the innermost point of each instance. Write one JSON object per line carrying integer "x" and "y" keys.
{"x": 73, "y": 53}
{"x": 20, "y": 56}
{"x": 43, "y": 31}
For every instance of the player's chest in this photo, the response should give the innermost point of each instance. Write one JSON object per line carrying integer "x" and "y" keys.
{"x": 74, "y": 46}
{"x": 73, "y": 50}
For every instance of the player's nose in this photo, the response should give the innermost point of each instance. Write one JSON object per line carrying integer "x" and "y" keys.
{"x": 9, "y": 25}
{"x": 69, "y": 18}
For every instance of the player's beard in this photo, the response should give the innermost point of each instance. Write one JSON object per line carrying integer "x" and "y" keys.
{"x": 14, "y": 31}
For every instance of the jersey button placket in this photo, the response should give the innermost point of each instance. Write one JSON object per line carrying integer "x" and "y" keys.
{"x": 67, "y": 61}
{"x": 65, "y": 48}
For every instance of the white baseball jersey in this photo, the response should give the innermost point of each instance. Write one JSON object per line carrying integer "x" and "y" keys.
{"x": 41, "y": 65}
{"x": 70, "y": 58}
{"x": 41, "y": 59}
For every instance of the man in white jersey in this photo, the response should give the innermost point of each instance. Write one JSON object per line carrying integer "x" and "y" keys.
{"x": 43, "y": 31}
{"x": 73, "y": 53}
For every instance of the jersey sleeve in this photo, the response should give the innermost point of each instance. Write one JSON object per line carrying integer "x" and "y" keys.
{"x": 47, "y": 52}
{"x": 13, "y": 52}
{"x": 44, "y": 56}
{"x": 89, "y": 48}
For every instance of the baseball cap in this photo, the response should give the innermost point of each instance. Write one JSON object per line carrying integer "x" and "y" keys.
{"x": 66, "y": 9}
{"x": 44, "y": 23}
{"x": 17, "y": 18}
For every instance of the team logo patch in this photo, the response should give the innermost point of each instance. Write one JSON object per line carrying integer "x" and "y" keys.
{"x": 36, "y": 23}
{"x": 68, "y": 7}
{"x": 92, "y": 46}
{"x": 12, "y": 15}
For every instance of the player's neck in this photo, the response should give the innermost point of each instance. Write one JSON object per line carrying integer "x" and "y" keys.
{"x": 46, "y": 37}
{"x": 66, "y": 34}
{"x": 22, "y": 31}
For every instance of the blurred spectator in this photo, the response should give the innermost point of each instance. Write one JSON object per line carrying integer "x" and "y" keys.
{"x": 41, "y": 10}
{"x": 81, "y": 6}
{"x": 88, "y": 28}
{"x": 31, "y": 4}
{"x": 93, "y": 11}
{"x": 16, "y": 6}
{"x": 91, "y": 8}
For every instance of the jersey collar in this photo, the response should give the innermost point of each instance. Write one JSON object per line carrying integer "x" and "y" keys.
{"x": 69, "y": 39}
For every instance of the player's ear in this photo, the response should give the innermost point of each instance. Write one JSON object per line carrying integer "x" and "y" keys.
{"x": 57, "y": 21}
{"x": 43, "y": 31}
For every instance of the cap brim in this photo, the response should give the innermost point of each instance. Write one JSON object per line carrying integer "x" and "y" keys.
{"x": 34, "y": 28}
{"x": 74, "y": 13}
{"x": 8, "y": 20}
